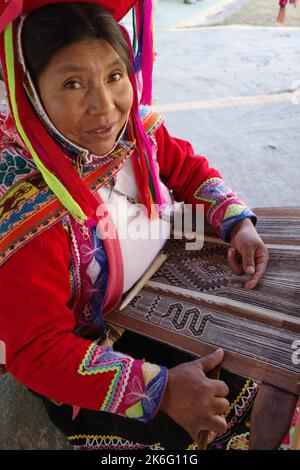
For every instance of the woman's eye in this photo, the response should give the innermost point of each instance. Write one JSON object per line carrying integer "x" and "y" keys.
{"x": 73, "y": 85}
{"x": 115, "y": 77}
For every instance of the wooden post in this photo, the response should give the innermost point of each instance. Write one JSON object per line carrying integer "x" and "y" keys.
{"x": 271, "y": 417}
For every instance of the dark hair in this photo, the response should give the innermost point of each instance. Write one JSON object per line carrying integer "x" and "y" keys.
{"x": 50, "y": 28}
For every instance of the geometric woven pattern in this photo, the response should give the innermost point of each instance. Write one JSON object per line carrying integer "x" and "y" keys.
{"x": 194, "y": 302}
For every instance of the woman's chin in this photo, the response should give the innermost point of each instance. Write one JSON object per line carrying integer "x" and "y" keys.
{"x": 99, "y": 146}
{"x": 100, "y": 150}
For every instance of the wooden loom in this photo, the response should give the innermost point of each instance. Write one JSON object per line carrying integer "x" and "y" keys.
{"x": 195, "y": 303}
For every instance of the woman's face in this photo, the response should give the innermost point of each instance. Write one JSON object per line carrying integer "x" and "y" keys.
{"x": 87, "y": 94}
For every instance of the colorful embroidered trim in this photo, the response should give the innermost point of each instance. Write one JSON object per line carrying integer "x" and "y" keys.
{"x": 128, "y": 393}
{"x": 225, "y": 208}
{"x": 99, "y": 360}
{"x": 95, "y": 442}
{"x": 74, "y": 268}
{"x": 30, "y": 207}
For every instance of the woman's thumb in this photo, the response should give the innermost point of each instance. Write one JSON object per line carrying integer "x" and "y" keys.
{"x": 212, "y": 360}
{"x": 249, "y": 261}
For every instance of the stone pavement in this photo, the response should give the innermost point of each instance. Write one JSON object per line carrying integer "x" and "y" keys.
{"x": 234, "y": 92}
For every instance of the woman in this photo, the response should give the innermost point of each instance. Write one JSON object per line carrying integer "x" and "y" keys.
{"x": 74, "y": 140}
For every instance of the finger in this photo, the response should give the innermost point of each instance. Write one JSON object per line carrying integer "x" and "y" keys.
{"x": 235, "y": 262}
{"x": 261, "y": 265}
{"x": 254, "y": 280}
{"x": 220, "y": 406}
{"x": 217, "y": 423}
{"x": 220, "y": 387}
{"x": 202, "y": 440}
{"x": 212, "y": 360}
{"x": 248, "y": 255}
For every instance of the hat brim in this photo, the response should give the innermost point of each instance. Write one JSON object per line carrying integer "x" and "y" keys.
{"x": 11, "y": 10}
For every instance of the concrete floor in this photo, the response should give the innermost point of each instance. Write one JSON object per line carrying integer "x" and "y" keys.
{"x": 246, "y": 119}
{"x": 253, "y": 141}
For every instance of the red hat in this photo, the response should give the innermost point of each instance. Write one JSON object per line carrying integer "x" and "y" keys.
{"x": 11, "y": 9}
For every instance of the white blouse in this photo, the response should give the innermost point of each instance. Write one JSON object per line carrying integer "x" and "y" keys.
{"x": 141, "y": 238}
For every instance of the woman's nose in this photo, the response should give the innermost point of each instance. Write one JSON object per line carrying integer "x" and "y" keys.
{"x": 100, "y": 101}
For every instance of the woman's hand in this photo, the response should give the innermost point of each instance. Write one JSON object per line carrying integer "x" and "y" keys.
{"x": 193, "y": 400}
{"x": 249, "y": 254}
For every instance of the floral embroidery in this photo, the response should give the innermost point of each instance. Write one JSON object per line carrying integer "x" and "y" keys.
{"x": 239, "y": 442}
{"x": 150, "y": 397}
{"x": 87, "y": 252}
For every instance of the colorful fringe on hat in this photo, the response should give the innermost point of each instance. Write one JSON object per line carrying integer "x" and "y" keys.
{"x": 57, "y": 170}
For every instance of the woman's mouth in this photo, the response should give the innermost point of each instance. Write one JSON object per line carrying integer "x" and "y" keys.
{"x": 102, "y": 132}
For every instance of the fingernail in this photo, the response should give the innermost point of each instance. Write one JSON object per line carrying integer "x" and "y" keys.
{"x": 214, "y": 353}
{"x": 250, "y": 270}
